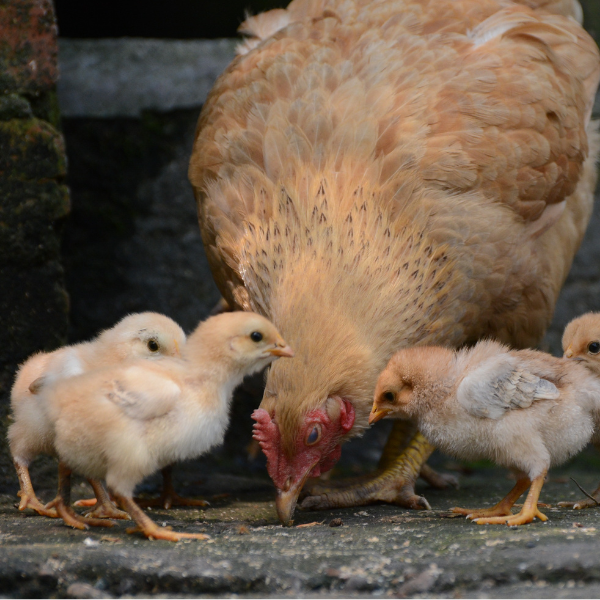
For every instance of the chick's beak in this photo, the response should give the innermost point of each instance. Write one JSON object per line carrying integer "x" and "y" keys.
{"x": 177, "y": 352}
{"x": 568, "y": 352}
{"x": 377, "y": 414}
{"x": 281, "y": 349}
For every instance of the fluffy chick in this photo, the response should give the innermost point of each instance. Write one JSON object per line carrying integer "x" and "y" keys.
{"x": 525, "y": 410}
{"x": 144, "y": 335}
{"x": 581, "y": 343}
{"x": 125, "y": 422}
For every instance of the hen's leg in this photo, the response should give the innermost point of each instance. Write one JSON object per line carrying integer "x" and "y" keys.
{"x": 528, "y": 512}
{"x": 585, "y": 503}
{"x": 502, "y": 508}
{"x": 394, "y": 484}
{"x": 63, "y": 500}
{"x": 169, "y": 496}
{"x": 27, "y": 495}
{"x": 148, "y": 527}
{"x": 105, "y": 509}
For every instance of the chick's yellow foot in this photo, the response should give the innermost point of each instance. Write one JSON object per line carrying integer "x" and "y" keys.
{"x": 149, "y": 528}
{"x": 169, "y": 496}
{"x": 501, "y": 509}
{"x": 168, "y": 500}
{"x": 105, "y": 509}
{"x": 32, "y": 502}
{"x": 395, "y": 484}
{"x": 529, "y": 511}
{"x": 72, "y": 519}
{"x": 85, "y": 502}
{"x": 522, "y": 517}
{"x": 164, "y": 533}
{"x": 27, "y": 495}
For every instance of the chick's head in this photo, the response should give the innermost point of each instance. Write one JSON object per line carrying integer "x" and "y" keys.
{"x": 581, "y": 341}
{"x": 143, "y": 335}
{"x": 393, "y": 395}
{"x": 243, "y": 342}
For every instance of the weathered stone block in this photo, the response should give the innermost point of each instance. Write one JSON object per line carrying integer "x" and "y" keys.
{"x": 33, "y": 301}
{"x": 28, "y": 47}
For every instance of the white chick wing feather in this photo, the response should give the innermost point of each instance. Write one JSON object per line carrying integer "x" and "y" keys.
{"x": 155, "y": 394}
{"x": 501, "y": 384}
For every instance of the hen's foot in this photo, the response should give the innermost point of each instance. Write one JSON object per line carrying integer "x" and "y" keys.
{"x": 395, "y": 484}
{"x": 586, "y": 502}
{"x": 502, "y": 508}
{"x": 149, "y": 528}
{"x": 439, "y": 481}
{"x": 169, "y": 496}
{"x": 529, "y": 511}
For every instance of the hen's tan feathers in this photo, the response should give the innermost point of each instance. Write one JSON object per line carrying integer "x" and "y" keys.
{"x": 418, "y": 163}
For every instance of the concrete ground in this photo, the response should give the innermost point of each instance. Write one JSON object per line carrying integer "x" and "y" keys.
{"x": 377, "y": 550}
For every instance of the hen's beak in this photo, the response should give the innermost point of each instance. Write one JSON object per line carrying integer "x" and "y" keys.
{"x": 568, "y": 352}
{"x": 282, "y": 349}
{"x": 377, "y": 414}
{"x": 287, "y": 498}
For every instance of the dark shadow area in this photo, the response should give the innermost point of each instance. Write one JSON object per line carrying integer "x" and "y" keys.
{"x": 176, "y": 19}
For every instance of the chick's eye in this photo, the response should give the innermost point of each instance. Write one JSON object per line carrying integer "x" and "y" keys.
{"x": 314, "y": 436}
{"x": 594, "y": 347}
{"x": 153, "y": 346}
{"x": 389, "y": 396}
{"x": 256, "y": 336}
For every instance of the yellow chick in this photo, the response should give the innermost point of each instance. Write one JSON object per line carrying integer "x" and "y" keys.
{"x": 123, "y": 423}
{"x": 144, "y": 335}
{"x": 581, "y": 342}
{"x": 524, "y": 410}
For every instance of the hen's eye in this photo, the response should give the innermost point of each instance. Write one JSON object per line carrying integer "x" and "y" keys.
{"x": 594, "y": 347}
{"x": 256, "y": 336}
{"x": 314, "y": 436}
{"x": 153, "y": 346}
{"x": 389, "y": 396}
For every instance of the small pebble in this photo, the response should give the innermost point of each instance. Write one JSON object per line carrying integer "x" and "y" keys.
{"x": 243, "y": 530}
{"x": 336, "y": 522}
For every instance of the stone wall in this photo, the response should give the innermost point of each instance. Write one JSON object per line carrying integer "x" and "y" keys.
{"x": 34, "y": 199}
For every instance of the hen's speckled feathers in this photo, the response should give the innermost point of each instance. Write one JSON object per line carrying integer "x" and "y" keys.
{"x": 377, "y": 175}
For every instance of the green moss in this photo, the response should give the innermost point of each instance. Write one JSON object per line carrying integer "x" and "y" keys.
{"x": 31, "y": 149}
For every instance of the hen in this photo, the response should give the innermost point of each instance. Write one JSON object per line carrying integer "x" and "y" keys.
{"x": 377, "y": 175}
{"x": 525, "y": 410}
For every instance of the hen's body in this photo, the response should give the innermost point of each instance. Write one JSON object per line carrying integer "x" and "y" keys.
{"x": 380, "y": 175}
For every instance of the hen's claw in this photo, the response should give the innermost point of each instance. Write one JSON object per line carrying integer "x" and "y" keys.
{"x": 439, "y": 481}
{"x": 586, "y": 502}
{"x": 395, "y": 484}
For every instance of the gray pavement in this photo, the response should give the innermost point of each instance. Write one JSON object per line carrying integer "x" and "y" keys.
{"x": 377, "y": 550}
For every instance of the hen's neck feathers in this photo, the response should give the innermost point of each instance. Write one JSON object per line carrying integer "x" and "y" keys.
{"x": 345, "y": 270}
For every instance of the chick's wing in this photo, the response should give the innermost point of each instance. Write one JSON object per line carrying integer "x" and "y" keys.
{"x": 502, "y": 384}
{"x": 143, "y": 394}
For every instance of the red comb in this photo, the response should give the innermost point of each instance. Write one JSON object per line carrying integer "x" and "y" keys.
{"x": 266, "y": 433}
